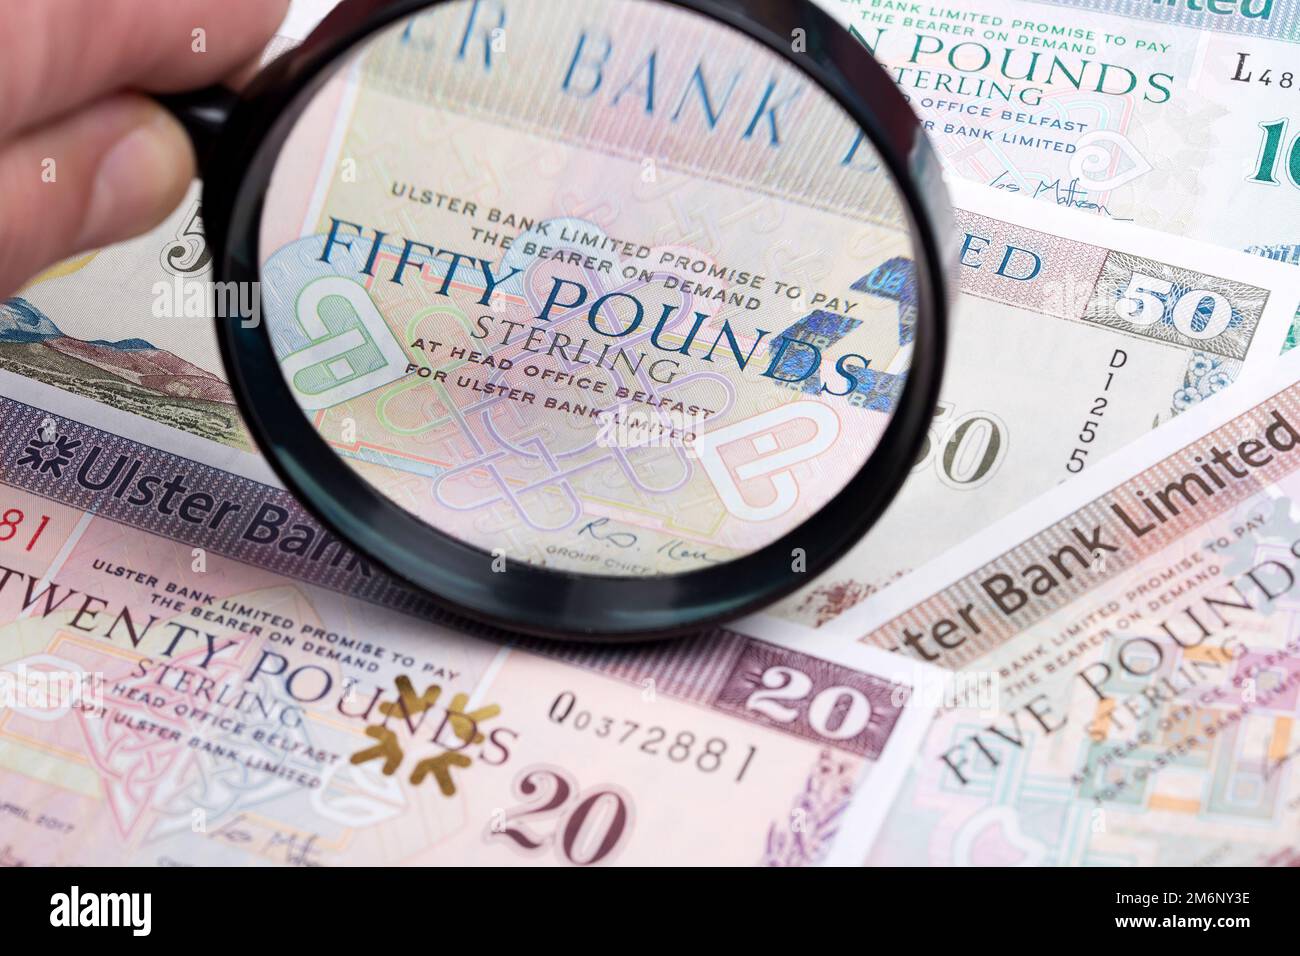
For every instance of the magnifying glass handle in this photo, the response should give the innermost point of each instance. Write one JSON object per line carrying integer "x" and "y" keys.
{"x": 203, "y": 113}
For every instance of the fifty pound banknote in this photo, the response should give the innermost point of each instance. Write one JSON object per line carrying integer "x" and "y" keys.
{"x": 1127, "y": 659}
{"x": 1175, "y": 114}
{"x": 1072, "y": 337}
{"x": 612, "y": 341}
{"x": 515, "y": 334}
{"x": 193, "y": 672}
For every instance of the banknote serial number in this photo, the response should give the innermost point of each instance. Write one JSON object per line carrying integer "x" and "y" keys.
{"x": 1096, "y": 412}
{"x": 708, "y": 755}
{"x": 1250, "y": 72}
{"x": 15, "y": 526}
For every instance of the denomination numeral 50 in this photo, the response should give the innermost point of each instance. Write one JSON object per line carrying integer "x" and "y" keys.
{"x": 1148, "y": 300}
{"x": 970, "y": 447}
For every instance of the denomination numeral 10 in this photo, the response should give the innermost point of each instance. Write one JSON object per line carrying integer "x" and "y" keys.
{"x": 1270, "y": 151}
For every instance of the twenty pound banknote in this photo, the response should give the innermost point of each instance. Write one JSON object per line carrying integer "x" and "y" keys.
{"x": 1181, "y": 115}
{"x": 192, "y": 671}
{"x": 1127, "y": 658}
{"x": 1073, "y": 336}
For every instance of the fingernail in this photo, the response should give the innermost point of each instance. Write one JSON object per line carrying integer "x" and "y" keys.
{"x": 136, "y": 182}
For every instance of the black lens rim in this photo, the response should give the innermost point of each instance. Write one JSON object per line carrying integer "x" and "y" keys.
{"x": 529, "y": 598}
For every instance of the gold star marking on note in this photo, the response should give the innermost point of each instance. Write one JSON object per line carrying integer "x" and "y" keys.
{"x": 464, "y": 725}
{"x": 407, "y": 704}
{"x": 388, "y": 748}
{"x": 440, "y": 766}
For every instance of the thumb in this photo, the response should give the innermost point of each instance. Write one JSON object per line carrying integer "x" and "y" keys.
{"x": 102, "y": 174}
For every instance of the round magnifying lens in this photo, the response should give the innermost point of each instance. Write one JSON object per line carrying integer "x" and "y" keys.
{"x": 595, "y": 318}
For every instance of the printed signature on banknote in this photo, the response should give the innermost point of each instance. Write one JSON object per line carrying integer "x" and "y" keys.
{"x": 1072, "y": 194}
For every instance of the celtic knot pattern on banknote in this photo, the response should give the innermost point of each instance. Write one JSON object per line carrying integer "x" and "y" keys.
{"x": 276, "y": 758}
{"x": 504, "y": 441}
{"x": 141, "y": 758}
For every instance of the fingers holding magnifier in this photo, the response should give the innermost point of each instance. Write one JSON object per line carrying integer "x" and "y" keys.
{"x": 97, "y": 176}
{"x": 83, "y": 163}
{"x": 59, "y": 55}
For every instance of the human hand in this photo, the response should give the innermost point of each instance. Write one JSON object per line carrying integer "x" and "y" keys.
{"x": 85, "y": 159}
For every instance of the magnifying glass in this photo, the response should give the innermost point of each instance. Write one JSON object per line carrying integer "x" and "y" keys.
{"x": 593, "y": 319}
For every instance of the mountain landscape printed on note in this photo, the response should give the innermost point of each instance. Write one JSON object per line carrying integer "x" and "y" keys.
{"x": 129, "y": 374}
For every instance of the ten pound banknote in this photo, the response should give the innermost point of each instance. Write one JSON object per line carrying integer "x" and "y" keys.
{"x": 1181, "y": 115}
{"x": 1127, "y": 651}
{"x": 1073, "y": 337}
{"x": 192, "y": 671}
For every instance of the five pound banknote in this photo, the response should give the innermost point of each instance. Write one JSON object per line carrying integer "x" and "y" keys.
{"x": 1127, "y": 658}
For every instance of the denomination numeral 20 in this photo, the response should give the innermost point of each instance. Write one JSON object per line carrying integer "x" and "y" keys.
{"x": 591, "y": 825}
{"x": 836, "y": 713}
{"x": 1270, "y": 151}
{"x": 1148, "y": 300}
